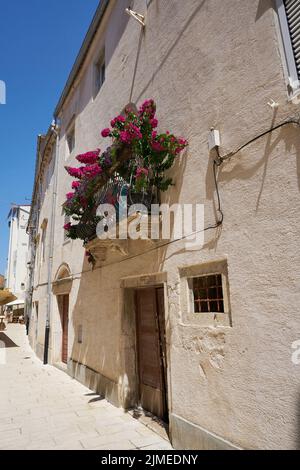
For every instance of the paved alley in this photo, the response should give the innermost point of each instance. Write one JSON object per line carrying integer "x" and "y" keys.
{"x": 42, "y": 407}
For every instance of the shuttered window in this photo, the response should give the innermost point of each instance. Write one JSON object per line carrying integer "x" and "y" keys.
{"x": 292, "y": 8}
{"x": 289, "y": 20}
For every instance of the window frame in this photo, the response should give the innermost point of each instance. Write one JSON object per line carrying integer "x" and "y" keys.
{"x": 287, "y": 50}
{"x": 187, "y": 275}
{"x": 43, "y": 241}
{"x": 71, "y": 130}
{"x": 192, "y": 292}
{"x": 98, "y": 71}
{"x": 67, "y": 219}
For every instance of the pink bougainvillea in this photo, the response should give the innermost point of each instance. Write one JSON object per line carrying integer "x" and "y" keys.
{"x": 148, "y": 109}
{"x": 116, "y": 120}
{"x": 151, "y": 154}
{"x": 75, "y": 184}
{"x": 91, "y": 171}
{"x": 89, "y": 157}
{"x": 106, "y": 132}
{"x": 140, "y": 172}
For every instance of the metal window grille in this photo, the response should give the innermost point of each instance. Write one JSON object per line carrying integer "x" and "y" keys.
{"x": 208, "y": 294}
{"x": 67, "y": 219}
{"x": 289, "y": 21}
{"x": 292, "y": 9}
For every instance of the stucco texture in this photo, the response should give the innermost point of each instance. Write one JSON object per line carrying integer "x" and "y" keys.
{"x": 206, "y": 63}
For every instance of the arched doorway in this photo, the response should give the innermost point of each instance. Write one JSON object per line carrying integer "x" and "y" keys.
{"x": 61, "y": 289}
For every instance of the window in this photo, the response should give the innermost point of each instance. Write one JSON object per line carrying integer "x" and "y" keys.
{"x": 205, "y": 296}
{"x": 71, "y": 139}
{"x": 67, "y": 220}
{"x": 79, "y": 337}
{"x": 289, "y": 21}
{"x": 99, "y": 73}
{"x": 43, "y": 241}
{"x": 36, "y": 319}
{"x": 208, "y": 294}
{"x": 37, "y": 248}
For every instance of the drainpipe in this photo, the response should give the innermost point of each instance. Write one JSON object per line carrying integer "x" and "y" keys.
{"x": 8, "y": 272}
{"x": 55, "y": 130}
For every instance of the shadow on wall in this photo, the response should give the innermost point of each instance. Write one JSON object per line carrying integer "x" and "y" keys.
{"x": 112, "y": 37}
{"x": 100, "y": 313}
{"x": 173, "y": 45}
{"x": 108, "y": 346}
{"x": 112, "y": 41}
{"x": 263, "y": 7}
{"x": 242, "y": 169}
{"x": 6, "y": 341}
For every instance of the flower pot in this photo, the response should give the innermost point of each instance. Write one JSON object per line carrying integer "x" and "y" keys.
{"x": 146, "y": 199}
{"x": 86, "y": 231}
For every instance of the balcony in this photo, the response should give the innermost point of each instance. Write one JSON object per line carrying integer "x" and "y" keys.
{"x": 126, "y": 223}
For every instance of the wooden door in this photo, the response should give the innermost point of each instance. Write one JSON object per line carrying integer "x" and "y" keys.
{"x": 65, "y": 325}
{"x": 151, "y": 351}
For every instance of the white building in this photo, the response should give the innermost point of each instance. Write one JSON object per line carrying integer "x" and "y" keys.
{"x": 141, "y": 326}
{"x": 17, "y": 253}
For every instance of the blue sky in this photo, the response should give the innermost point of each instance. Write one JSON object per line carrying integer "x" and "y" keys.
{"x": 39, "y": 40}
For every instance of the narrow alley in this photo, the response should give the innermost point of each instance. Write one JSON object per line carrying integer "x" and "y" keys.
{"x": 43, "y": 408}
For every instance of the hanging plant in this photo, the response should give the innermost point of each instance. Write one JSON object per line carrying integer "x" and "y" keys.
{"x": 139, "y": 155}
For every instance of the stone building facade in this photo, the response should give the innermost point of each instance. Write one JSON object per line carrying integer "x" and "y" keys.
{"x": 16, "y": 272}
{"x": 229, "y": 380}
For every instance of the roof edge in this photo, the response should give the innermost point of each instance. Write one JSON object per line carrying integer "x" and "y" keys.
{"x": 82, "y": 54}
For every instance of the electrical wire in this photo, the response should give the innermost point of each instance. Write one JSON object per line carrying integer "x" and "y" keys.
{"x": 170, "y": 242}
{"x": 216, "y": 163}
{"x": 284, "y": 123}
{"x": 219, "y": 210}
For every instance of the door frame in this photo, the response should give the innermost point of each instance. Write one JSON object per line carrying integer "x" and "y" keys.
{"x": 163, "y": 356}
{"x": 61, "y": 300}
{"x": 129, "y": 388}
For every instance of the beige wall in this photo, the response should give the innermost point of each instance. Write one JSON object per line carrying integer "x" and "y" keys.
{"x": 211, "y": 63}
{"x": 43, "y": 204}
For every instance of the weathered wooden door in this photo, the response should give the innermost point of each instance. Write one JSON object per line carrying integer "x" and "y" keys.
{"x": 65, "y": 325}
{"x": 151, "y": 347}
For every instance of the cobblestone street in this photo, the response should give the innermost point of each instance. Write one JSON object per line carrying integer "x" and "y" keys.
{"x": 42, "y": 407}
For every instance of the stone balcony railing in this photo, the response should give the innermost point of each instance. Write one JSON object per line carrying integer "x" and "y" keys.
{"x": 137, "y": 230}
{"x": 129, "y": 224}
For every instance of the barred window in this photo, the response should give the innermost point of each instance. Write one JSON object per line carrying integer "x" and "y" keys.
{"x": 67, "y": 220}
{"x": 208, "y": 294}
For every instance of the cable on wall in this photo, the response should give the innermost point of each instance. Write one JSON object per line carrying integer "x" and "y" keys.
{"x": 216, "y": 163}
{"x": 284, "y": 123}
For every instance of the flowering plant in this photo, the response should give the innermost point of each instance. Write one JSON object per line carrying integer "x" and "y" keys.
{"x": 138, "y": 154}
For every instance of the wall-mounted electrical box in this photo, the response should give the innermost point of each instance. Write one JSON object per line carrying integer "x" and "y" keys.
{"x": 213, "y": 139}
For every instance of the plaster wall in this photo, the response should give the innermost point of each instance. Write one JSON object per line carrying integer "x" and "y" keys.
{"x": 211, "y": 63}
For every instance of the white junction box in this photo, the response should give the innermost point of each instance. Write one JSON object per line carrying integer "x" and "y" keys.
{"x": 213, "y": 139}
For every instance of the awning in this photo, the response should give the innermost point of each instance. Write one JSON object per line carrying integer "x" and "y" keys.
{"x": 6, "y": 296}
{"x": 15, "y": 302}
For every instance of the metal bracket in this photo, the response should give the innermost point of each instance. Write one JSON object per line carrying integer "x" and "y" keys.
{"x": 136, "y": 16}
